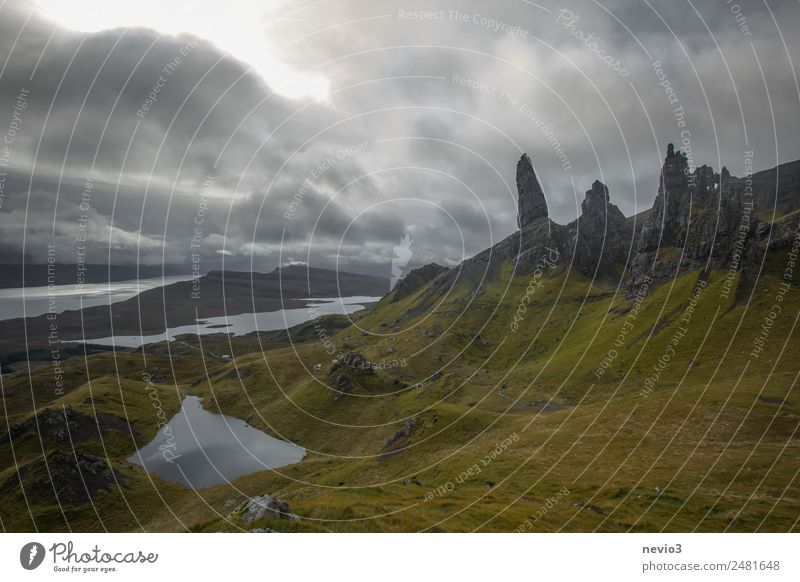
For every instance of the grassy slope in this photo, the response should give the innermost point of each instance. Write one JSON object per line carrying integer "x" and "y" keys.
{"x": 720, "y": 456}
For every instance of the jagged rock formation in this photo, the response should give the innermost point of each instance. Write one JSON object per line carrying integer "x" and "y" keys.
{"x": 700, "y": 220}
{"x": 532, "y": 204}
{"x": 600, "y": 239}
{"x": 596, "y": 244}
{"x": 602, "y": 236}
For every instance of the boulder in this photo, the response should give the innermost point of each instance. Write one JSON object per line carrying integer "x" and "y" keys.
{"x": 262, "y": 507}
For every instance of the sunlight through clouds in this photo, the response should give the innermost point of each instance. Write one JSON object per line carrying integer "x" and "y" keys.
{"x": 241, "y": 28}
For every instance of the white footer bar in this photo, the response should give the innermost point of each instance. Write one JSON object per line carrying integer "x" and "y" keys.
{"x": 401, "y": 557}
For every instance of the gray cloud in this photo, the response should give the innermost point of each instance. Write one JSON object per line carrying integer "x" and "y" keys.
{"x": 421, "y": 133}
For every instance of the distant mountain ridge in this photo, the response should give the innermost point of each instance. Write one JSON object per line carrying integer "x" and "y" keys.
{"x": 214, "y": 295}
{"x": 36, "y": 275}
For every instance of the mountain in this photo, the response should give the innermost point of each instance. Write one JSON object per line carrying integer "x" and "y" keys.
{"x": 36, "y": 275}
{"x": 583, "y": 377}
{"x": 416, "y": 279}
{"x": 213, "y": 295}
{"x": 700, "y": 220}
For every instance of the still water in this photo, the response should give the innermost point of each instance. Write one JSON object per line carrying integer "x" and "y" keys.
{"x": 246, "y": 322}
{"x": 199, "y": 449}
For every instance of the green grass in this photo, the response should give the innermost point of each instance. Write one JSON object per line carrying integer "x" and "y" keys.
{"x": 721, "y": 457}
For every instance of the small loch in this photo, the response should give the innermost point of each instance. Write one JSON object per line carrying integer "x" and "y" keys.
{"x": 199, "y": 449}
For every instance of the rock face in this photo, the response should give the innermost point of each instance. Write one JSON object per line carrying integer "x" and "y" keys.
{"x": 532, "y": 204}
{"x": 700, "y": 220}
{"x": 670, "y": 214}
{"x": 602, "y": 237}
{"x": 777, "y": 195}
{"x": 264, "y": 506}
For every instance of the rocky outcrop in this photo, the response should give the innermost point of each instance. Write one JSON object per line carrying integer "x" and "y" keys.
{"x": 263, "y": 507}
{"x": 416, "y": 280}
{"x": 532, "y": 203}
{"x": 398, "y": 442}
{"x": 700, "y": 220}
{"x": 666, "y": 225}
{"x": 343, "y": 386}
{"x": 69, "y": 477}
{"x": 541, "y": 243}
{"x": 597, "y": 244}
{"x": 602, "y": 236}
{"x": 353, "y": 362}
{"x": 405, "y": 431}
{"x": 68, "y": 426}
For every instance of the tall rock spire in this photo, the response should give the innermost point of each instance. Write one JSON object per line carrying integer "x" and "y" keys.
{"x": 701, "y": 216}
{"x": 674, "y": 173}
{"x": 532, "y": 205}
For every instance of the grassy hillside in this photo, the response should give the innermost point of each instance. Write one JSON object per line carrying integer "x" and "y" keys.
{"x": 471, "y": 423}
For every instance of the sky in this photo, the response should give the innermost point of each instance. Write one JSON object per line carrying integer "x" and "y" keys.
{"x": 365, "y": 136}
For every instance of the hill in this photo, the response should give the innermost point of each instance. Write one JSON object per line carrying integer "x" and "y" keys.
{"x": 580, "y": 377}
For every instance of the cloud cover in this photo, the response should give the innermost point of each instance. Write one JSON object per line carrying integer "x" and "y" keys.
{"x": 429, "y": 109}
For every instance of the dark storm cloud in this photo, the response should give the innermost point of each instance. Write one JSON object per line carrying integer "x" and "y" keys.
{"x": 426, "y": 120}
{"x": 93, "y": 136}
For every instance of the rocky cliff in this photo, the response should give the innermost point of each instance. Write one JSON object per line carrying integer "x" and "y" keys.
{"x": 700, "y": 220}
{"x": 601, "y": 237}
